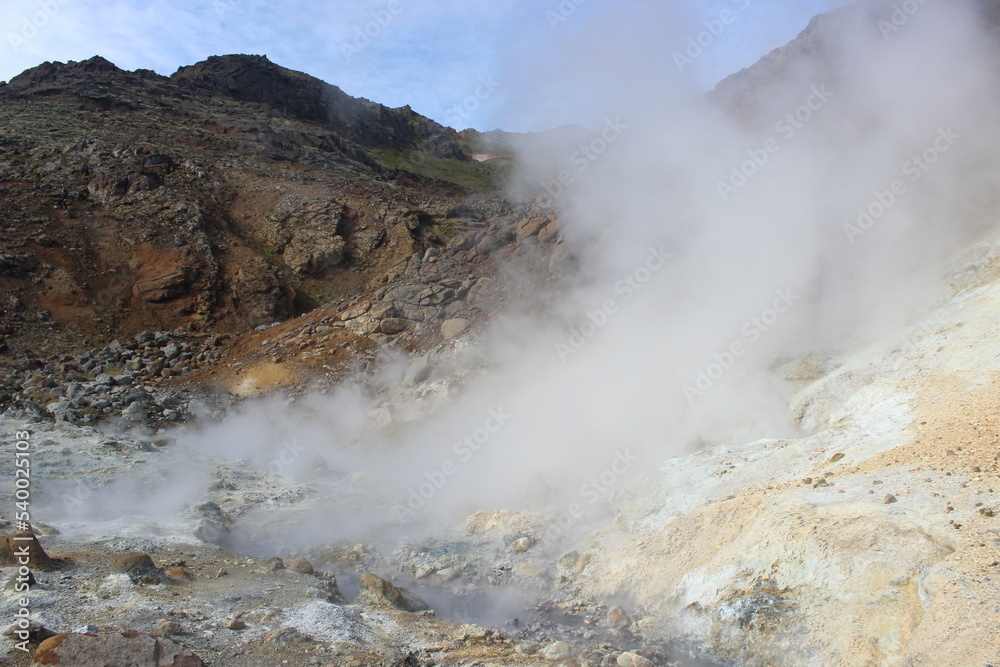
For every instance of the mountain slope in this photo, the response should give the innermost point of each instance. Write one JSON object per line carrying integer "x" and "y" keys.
{"x": 229, "y": 195}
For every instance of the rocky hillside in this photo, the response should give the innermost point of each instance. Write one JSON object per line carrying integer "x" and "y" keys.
{"x": 233, "y": 194}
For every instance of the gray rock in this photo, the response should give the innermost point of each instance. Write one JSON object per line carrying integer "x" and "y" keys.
{"x": 557, "y": 651}
{"x": 62, "y": 411}
{"x": 136, "y": 395}
{"x": 633, "y": 660}
{"x": 394, "y": 326}
{"x": 171, "y": 351}
{"x": 134, "y": 412}
{"x": 454, "y": 308}
{"x": 420, "y": 369}
{"x": 215, "y": 524}
{"x": 453, "y": 328}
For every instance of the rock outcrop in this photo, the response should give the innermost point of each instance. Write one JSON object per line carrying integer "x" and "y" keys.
{"x": 124, "y": 649}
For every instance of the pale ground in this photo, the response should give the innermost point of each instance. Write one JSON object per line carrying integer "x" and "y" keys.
{"x": 732, "y": 546}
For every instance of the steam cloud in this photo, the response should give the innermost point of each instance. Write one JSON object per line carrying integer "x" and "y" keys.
{"x": 713, "y": 237}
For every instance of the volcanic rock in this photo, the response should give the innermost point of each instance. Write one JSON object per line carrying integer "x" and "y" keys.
{"x": 633, "y": 660}
{"x": 138, "y": 566}
{"x": 124, "y": 649}
{"x": 453, "y": 328}
{"x": 301, "y": 566}
{"x": 378, "y": 592}
{"x": 557, "y": 651}
{"x": 12, "y": 546}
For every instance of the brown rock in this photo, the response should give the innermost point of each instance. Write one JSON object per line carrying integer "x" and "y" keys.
{"x": 12, "y": 548}
{"x": 163, "y": 280}
{"x": 301, "y": 566}
{"x": 167, "y": 628}
{"x": 179, "y": 573}
{"x": 121, "y": 649}
{"x": 378, "y": 592}
{"x": 274, "y": 564}
{"x": 633, "y": 660}
{"x": 531, "y": 227}
{"x": 133, "y": 562}
{"x": 288, "y": 636}
{"x": 522, "y": 545}
{"x": 618, "y": 619}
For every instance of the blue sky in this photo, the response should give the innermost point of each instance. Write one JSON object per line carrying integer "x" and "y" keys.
{"x": 442, "y": 57}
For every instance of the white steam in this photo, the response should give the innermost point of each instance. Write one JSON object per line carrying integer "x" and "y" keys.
{"x": 642, "y": 357}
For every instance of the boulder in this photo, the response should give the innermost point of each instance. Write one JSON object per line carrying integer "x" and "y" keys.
{"x": 139, "y": 567}
{"x": 557, "y": 651}
{"x": 633, "y": 660}
{"x": 134, "y": 412}
{"x": 394, "y": 325}
{"x": 12, "y": 546}
{"x": 378, "y": 592}
{"x": 301, "y": 566}
{"x": 454, "y": 328}
{"x": 215, "y": 524}
{"x": 121, "y": 649}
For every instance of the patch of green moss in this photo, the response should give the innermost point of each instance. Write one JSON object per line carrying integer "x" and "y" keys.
{"x": 471, "y": 175}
